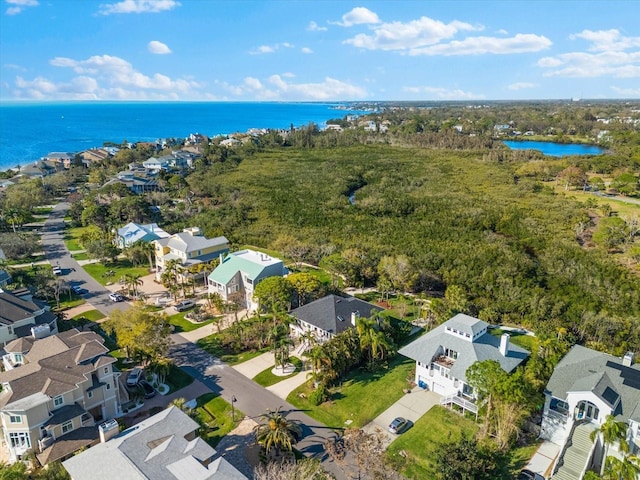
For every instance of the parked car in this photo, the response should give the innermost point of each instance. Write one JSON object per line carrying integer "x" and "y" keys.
{"x": 398, "y": 425}
{"x": 57, "y": 270}
{"x": 147, "y": 389}
{"x": 134, "y": 377}
{"x": 529, "y": 475}
{"x": 78, "y": 290}
{"x": 116, "y": 297}
{"x": 185, "y": 305}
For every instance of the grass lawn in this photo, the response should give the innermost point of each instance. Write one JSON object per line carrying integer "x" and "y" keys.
{"x": 101, "y": 273}
{"x": 177, "y": 379}
{"x": 437, "y": 427}
{"x": 266, "y": 378}
{"x": 212, "y": 345}
{"x": 42, "y": 210}
{"x": 72, "y": 237}
{"x": 361, "y": 397}
{"x": 525, "y": 341}
{"x": 67, "y": 302}
{"x": 215, "y": 413}
{"x": 81, "y": 256}
{"x": 181, "y": 324}
{"x": 92, "y": 315}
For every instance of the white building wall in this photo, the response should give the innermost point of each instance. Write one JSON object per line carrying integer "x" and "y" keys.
{"x": 435, "y": 381}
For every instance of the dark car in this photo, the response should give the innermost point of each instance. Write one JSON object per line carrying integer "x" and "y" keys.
{"x": 147, "y": 389}
{"x": 398, "y": 425}
{"x": 529, "y": 475}
{"x": 78, "y": 290}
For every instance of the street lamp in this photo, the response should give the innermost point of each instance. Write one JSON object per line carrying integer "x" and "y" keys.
{"x": 233, "y": 410}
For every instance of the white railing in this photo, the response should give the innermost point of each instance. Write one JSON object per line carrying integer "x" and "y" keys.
{"x": 461, "y": 402}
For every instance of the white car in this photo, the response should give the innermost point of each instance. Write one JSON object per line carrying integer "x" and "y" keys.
{"x": 57, "y": 270}
{"x": 116, "y": 297}
{"x": 134, "y": 377}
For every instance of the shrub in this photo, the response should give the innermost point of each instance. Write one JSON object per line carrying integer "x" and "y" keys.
{"x": 319, "y": 395}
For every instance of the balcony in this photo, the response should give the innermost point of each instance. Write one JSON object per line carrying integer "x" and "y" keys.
{"x": 444, "y": 361}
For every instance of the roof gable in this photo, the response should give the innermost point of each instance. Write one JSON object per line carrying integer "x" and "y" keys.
{"x": 333, "y": 313}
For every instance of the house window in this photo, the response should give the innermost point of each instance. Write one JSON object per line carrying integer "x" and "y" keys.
{"x": 249, "y": 281}
{"x": 19, "y": 439}
{"x": 10, "y": 330}
{"x": 17, "y": 358}
{"x": 58, "y": 401}
{"x": 108, "y": 386}
{"x": 15, "y": 418}
{"x": 106, "y": 370}
{"x": 90, "y": 394}
{"x": 67, "y": 427}
{"x": 451, "y": 353}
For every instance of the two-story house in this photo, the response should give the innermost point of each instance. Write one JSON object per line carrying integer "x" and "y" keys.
{"x": 20, "y": 316}
{"x": 238, "y": 274}
{"x": 586, "y": 386}
{"x": 444, "y": 354}
{"x": 162, "y": 447}
{"x": 330, "y": 315}
{"x": 187, "y": 248}
{"x": 54, "y": 391}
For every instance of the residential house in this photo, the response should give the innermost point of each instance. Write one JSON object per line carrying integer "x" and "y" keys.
{"x": 330, "y": 315}
{"x": 444, "y": 354}
{"x": 162, "y": 447}
{"x": 63, "y": 159}
{"x": 134, "y": 232}
{"x": 54, "y": 391}
{"x": 585, "y": 387}
{"x": 136, "y": 182}
{"x": 238, "y": 274}
{"x": 188, "y": 248}
{"x": 96, "y": 155}
{"x": 154, "y": 165}
{"x": 20, "y": 316}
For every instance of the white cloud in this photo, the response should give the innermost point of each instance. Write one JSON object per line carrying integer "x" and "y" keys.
{"x": 414, "y": 34}
{"x": 441, "y": 93}
{"x": 279, "y": 87}
{"x": 590, "y": 65}
{"x": 263, "y": 49}
{"x": 520, "y": 43}
{"x": 306, "y": 50}
{"x": 521, "y": 86}
{"x": 158, "y": 48}
{"x": 18, "y": 6}
{"x": 106, "y": 77}
{"x": 314, "y": 27}
{"x": 627, "y": 92}
{"x": 607, "y": 40}
{"x": 609, "y": 53}
{"x": 13, "y": 66}
{"x": 358, "y": 16}
{"x": 502, "y": 31}
{"x": 138, "y": 6}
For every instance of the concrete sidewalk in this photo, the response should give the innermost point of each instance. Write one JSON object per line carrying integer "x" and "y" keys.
{"x": 544, "y": 458}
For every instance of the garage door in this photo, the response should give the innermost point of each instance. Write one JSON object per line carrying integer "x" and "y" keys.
{"x": 437, "y": 388}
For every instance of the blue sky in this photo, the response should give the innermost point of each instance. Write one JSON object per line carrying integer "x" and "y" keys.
{"x": 319, "y": 50}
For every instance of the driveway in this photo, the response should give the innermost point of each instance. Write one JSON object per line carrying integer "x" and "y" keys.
{"x": 411, "y": 406}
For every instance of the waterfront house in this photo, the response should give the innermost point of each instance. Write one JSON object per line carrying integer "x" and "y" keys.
{"x": 21, "y": 316}
{"x": 96, "y": 155}
{"x": 154, "y": 165}
{"x": 187, "y": 248}
{"x": 54, "y": 391}
{"x": 135, "y": 232}
{"x": 330, "y": 315}
{"x": 135, "y": 181}
{"x": 586, "y": 386}
{"x": 444, "y": 354}
{"x": 238, "y": 274}
{"x": 165, "y": 446}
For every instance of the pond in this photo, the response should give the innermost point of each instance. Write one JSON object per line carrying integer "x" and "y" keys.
{"x": 556, "y": 149}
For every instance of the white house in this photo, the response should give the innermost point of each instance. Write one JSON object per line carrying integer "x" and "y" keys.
{"x": 444, "y": 354}
{"x": 21, "y": 316}
{"x": 584, "y": 388}
{"x": 135, "y": 232}
{"x": 238, "y": 274}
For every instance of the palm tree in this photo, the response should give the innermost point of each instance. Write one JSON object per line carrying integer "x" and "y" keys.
{"x": 611, "y": 431}
{"x": 149, "y": 250}
{"x": 626, "y": 469}
{"x": 276, "y": 431}
{"x": 372, "y": 340}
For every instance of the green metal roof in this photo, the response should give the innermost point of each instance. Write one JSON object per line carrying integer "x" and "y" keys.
{"x": 233, "y": 264}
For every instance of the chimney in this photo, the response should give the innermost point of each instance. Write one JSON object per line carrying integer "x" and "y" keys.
{"x": 354, "y": 315}
{"x": 41, "y": 331}
{"x": 108, "y": 430}
{"x": 628, "y": 359}
{"x": 504, "y": 344}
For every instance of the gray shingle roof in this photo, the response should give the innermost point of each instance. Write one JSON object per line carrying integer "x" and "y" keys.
{"x": 14, "y": 309}
{"x": 159, "y": 448}
{"x": 586, "y": 370}
{"x": 485, "y": 347}
{"x": 333, "y": 313}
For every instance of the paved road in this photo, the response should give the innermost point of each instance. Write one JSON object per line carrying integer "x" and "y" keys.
{"x": 251, "y": 398}
{"x": 58, "y": 254}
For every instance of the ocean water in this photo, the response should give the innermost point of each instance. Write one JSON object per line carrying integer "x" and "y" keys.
{"x": 556, "y": 149}
{"x": 29, "y": 131}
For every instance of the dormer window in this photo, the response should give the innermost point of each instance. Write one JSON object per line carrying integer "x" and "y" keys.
{"x": 58, "y": 401}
